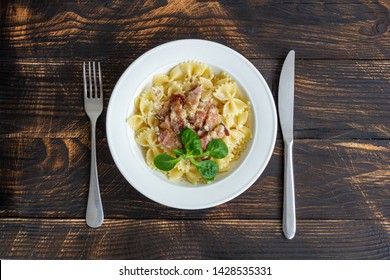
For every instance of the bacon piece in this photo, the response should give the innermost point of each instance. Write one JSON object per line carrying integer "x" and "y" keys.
{"x": 166, "y": 124}
{"x": 177, "y": 97}
{"x": 200, "y": 115}
{"x": 166, "y": 108}
{"x": 212, "y": 118}
{"x": 201, "y": 133}
{"x": 205, "y": 140}
{"x": 178, "y": 116}
{"x": 221, "y": 131}
{"x": 192, "y": 100}
{"x": 217, "y": 133}
{"x": 169, "y": 140}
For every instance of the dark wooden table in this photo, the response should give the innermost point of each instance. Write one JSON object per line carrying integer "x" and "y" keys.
{"x": 342, "y": 131}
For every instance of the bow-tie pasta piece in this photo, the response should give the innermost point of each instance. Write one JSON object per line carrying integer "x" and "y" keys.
{"x": 144, "y": 116}
{"x": 155, "y": 94}
{"x": 237, "y": 121}
{"x": 225, "y": 162}
{"x": 147, "y": 138}
{"x": 151, "y": 153}
{"x": 206, "y": 83}
{"x": 227, "y": 93}
{"x": 161, "y": 80}
{"x": 241, "y": 123}
{"x": 234, "y": 139}
{"x": 222, "y": 78}
{"x": 246, "y": 131}
{"x": 241, "y": 119}
{"x": 180, "y": 169}
{"x": 184, "y": 165}
{"x": 234, "y": 107}
{"x": 136, "y": 122}
{"x": 176, "y": 74}
{"x": 174, "y": 88}
{"x": 193, "y": 175}
{"x": 238, "y": 149}
{"x": 240, "y": 133}
{"x": 175, "y": 174}
{"x": 208, "y": 89}
{"x": 188, "y": 85}
{"x": 194, "y": 70}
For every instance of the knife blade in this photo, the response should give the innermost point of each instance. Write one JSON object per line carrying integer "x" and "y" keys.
{"x": 286, "y": 116}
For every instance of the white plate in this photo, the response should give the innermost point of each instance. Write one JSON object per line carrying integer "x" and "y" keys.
{"x": 128, "y": 155}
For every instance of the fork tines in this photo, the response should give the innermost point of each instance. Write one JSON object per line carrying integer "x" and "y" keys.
{"x": 90, "y": 79}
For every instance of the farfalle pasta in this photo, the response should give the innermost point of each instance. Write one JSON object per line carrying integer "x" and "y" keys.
{"x": 191, "y": 95}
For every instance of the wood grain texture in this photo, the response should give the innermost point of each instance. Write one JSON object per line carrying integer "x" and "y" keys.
{"x": 334, "y": 99}
{"x": 187, "y": 239}
{"x": 334, "y": 180}
{"x": 258, "y": 29}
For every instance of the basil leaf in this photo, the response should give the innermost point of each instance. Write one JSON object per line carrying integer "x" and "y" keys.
{"x": 217, "y": 148}
{"x": 179, "y": 152}
{"x": 186, "y": 135}
{"x": 207, "y": 168}
{"x": 165, "y": 162}
{"x": 194, "y": 147}
{"x": 191, "y": 141}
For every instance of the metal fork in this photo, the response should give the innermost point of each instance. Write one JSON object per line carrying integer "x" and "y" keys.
{"x": 93, "y": 105}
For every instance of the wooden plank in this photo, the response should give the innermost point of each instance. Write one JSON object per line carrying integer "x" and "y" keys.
{"x": 342, "y": 99}
{"x": 334, "y": 99}
{"x": 334, "y": 180}
{"x": 193, "y": 239}
{"x": 258, "y": 29}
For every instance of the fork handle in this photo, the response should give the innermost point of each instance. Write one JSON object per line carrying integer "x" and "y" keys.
{"x": 94, "y": 215}
{"x": 289, "y": 219}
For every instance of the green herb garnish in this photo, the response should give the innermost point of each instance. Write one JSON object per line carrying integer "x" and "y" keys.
{"x": 166, "y": 162}
{"x": 193, "y": 151}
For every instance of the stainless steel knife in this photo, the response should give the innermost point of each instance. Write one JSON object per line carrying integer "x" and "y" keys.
{"x": 286, "y": 115}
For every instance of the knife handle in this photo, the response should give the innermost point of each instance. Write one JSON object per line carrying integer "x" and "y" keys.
{"x": 289, "y": 220}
